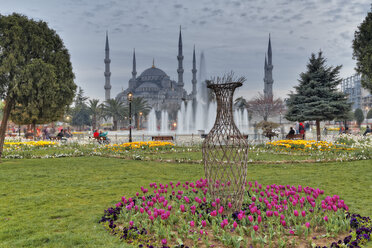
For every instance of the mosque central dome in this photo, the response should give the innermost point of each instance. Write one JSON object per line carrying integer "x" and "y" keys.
{"x": 153, "y": 73}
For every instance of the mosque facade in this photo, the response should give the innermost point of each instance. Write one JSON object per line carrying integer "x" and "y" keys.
{"x": 154, "y": 85}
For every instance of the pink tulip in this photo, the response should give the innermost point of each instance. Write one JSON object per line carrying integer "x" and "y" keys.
{"x": 235, "y": 225}
{"x": 259, "y": 219}
{"x": 204, "y": 223}
{"x": 229, "y": 205}
{"x": 325, "y": 218}
{"x": 295, "y": 213}
{"x": 303, "y": 213}
{"x": 255, "y": 227}
{"x": 192, "y": 223}
{"x": 182, "y": 207}
{"x": 250, "y": 218}
{"x": 220, "y": 211}
{"x": 307, "y": 224}
{"x": 164, "y": 241}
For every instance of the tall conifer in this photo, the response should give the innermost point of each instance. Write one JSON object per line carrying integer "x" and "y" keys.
{"x": 317, "y": 98}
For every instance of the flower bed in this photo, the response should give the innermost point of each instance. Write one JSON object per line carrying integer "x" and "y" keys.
{"x": 181, "y": 215}
{"x": 144, "y": 145}
{"x": 28, "y": 145}
{"x": 307, "y": 145}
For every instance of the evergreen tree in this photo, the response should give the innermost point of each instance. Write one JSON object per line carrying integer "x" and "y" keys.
{"x": 369, "y": 114}
{"x": 362, "y": 46}
{"x": 359, "y": 116}
{"x": 316, "y": 97}
{"x": 35, "y": 72}
{"x": 80, "y": 113}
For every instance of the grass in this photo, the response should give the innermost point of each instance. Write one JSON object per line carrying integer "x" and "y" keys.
{"x": 58, "y": 202}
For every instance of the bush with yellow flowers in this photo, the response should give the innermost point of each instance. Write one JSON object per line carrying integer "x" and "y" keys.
{"x": 142, "y": 145}
{"x": 306, "y": 145}
{"x": 17, "y": 145}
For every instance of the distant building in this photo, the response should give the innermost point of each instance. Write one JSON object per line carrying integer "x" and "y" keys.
{"x": 357, "y": 95}
{"x": 154, "y": 85}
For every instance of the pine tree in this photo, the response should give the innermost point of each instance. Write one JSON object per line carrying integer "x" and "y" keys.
{"x": 316, "y": 97}
{"x": 359, "y": 116}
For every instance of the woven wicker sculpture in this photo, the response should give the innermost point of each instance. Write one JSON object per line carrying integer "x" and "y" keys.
{"x": 225, "y": 151}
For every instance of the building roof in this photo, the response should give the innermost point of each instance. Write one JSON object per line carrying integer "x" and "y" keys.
{"x": 153, "y": 72}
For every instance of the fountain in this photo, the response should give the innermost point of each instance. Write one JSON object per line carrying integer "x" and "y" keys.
{"x": 199, "y": 115}
{"x": 164, "y": 128}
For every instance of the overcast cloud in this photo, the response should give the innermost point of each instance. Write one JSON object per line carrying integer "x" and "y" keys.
{"x": 232, "y": 34}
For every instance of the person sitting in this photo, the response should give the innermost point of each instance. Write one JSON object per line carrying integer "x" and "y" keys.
{"x": 368, "y": 130}
{"x": 103, "y": 134}
{"x": 291, "y": 131}
{"x": 96, "y": 134}
{"x": 60, "y": 135}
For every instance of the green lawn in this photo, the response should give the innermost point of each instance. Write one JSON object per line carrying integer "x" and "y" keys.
{"x": 58, "y": 202}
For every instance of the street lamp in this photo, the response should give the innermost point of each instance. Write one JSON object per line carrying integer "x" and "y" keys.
{"x": 130, "y": 98}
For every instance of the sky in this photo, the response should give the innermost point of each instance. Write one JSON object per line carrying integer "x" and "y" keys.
{"x": 233, "y": 35}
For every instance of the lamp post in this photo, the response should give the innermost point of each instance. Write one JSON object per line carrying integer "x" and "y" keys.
{"x": 130, "y": 98}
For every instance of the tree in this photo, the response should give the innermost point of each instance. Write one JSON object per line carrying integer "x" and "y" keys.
{"x": 267, "y": 128}
{"x": 35, "y": 72}
{"x": 369, "y": 114}
{"x": 362, "y": 46}
{"x": 34, "y": 105}
{"x": 115, "y": 109}
{"x": 139, "y": 105}
{"x": 240, "y": 103}
{"x": 316, "y": 97}
{"x": 80, "y": 113}
{"x": 265, "y": 106}
{"x": 95, "y": 110}
{"x": 359, "y": 116}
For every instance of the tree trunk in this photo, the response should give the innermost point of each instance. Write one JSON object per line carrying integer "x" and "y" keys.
{"x": 4, "y": 124}
{"x": 136, "y": 120}
{"x": 317, "y": 130}
{"x": 94, "y": 120}
{"x": 115, "y": 125}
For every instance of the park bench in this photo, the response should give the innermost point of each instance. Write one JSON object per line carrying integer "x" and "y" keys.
{"x": 244, "y": 136}
{"x": 161, "y": 138}
{"x": 295, "y": 136}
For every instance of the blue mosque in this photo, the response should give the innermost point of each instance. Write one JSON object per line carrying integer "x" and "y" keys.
{"x": 153, "y": 84}
{"x": 160, "y": 91}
